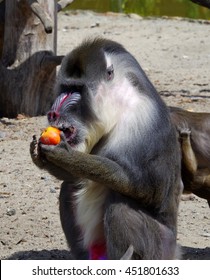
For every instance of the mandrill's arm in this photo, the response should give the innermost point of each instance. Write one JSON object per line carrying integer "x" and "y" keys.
{"x": 65, "y": 163}
{"x": 40, "y": 160}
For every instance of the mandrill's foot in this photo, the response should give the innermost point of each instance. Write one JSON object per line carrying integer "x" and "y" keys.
{"x": 184, "y": 133}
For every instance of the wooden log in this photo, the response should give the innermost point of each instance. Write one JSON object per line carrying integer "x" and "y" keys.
{"x": 42, "y": 15}
{"x": 28, "y": 63}
{"x": 2, "y": 19}
{"x": 63, "y": 4}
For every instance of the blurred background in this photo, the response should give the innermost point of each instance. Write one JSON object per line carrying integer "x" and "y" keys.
{"x": 157, "y": 8}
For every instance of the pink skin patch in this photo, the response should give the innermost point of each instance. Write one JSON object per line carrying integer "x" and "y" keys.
{"x": 61, "y": 105}
{"x": 97, "y": 252}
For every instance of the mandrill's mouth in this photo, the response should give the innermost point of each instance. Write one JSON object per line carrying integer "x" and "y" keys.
{"x": 70, "y": 134}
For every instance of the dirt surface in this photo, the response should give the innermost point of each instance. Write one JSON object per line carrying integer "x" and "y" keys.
{"x": 175, "y": 54}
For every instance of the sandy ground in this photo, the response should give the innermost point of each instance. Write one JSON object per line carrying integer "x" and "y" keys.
{"x": 175, "y": 54}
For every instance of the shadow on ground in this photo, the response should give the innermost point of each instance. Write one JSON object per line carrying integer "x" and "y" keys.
{"x": 189, "y": 253}
{"x": 41, "y": 255}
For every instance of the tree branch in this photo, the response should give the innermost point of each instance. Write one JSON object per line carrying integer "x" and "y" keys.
{"x": 42, "y": 15}
{"x": 50, "y": 60}
{"x": 205, "y": 3}
{"x": 62, "y": 4}
{"x": 54, "y": 59}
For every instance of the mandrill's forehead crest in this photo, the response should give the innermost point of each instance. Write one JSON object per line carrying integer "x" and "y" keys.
{"x": 89, "y": 59}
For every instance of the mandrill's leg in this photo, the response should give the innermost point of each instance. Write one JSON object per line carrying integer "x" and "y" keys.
{"x": 68, "y": 220}
{"x": 199, "y": 178}
{"x": 188, "y": 156}
{"x": 144, "y": 237}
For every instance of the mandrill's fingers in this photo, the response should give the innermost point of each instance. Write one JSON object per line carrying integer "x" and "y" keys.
{"x": 64, "y": 144}
{"x": 34, "y": 149}
{"x": 33, "y": 146}
{"x": 36, "y": 154}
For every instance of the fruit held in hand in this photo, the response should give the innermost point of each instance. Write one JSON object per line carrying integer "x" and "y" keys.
{"x": 50, "y": 136}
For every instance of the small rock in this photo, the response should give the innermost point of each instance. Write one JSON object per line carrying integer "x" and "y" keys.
{"x": 45, "y": 177}
{"x": 135, "y": 16}
{"x": 65, "y": 28}
{"x": 11, "y": 211}
{"x": 96, "y": 24}
{"x": 52, "y": 190}
{"x": 2, "y": 134}
{"x": 205, "y": 234}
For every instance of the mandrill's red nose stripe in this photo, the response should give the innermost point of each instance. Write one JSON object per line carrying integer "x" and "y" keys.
{"x": 59, "y": 102}
{"x": 54, "y": 112}
{"x": 64, "y": 101}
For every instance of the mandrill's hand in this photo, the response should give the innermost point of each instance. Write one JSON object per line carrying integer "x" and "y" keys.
{"x": 46, "y": 157}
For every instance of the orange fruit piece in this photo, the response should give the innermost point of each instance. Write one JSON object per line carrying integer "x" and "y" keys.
{"x": 50, "y": 136}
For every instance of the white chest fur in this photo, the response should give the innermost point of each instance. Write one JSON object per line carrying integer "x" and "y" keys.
{"x": 90, "y": 211}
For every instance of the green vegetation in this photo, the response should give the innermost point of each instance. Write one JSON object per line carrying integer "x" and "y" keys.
{"x": 181, "y": 8}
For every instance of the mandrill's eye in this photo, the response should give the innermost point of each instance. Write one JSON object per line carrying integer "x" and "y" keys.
{"x": 110, "y": 72}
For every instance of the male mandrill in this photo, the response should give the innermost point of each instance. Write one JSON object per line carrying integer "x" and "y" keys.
{"x": 119, "y": 157}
